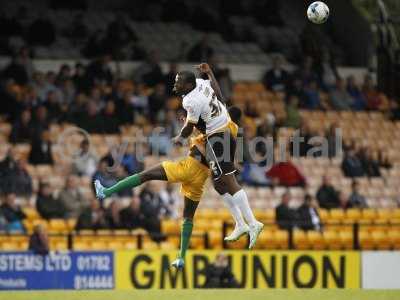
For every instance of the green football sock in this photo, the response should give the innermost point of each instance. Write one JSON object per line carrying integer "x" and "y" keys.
{"x": 186, "y": 233}
{"x": 128, "y": 182}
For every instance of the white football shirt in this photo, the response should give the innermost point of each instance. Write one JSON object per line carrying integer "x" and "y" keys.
{"x": 203, "y": 103}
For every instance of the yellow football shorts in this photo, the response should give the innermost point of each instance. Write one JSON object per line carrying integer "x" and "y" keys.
{"x": 191, "y": 173}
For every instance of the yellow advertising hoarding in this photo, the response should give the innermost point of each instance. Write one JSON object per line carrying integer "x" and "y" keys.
{"x": 252, "y": 269}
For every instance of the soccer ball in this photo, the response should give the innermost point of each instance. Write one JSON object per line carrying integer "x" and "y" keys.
{"x": 318, "y": 12}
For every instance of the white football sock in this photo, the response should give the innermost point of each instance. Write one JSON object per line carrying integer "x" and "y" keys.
{"x": 240, "y": 200}
{"x": 234, "y": 209}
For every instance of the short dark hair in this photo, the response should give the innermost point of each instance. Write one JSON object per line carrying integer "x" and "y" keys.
{"x": 188, "y": 77}
{"x": 235, "y": 113}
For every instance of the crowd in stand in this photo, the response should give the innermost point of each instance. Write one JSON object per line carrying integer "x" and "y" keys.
{"x": 100, "y": 101}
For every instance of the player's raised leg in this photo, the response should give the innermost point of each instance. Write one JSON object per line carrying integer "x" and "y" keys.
{"x": 241, "y": 228}
{"x": 154, "y": 173}
{"x": 189, "y": 210}
{"x": 227, "y": 184}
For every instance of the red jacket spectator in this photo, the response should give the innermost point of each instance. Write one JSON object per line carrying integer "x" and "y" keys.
{"x": 287, "y": 174}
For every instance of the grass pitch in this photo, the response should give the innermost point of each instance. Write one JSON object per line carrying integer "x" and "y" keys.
{"x": 206, "y": 295}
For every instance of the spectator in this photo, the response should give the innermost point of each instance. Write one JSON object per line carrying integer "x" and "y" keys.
{"x": 99, "y": 71}
{"x": 85, "y": 162}
{"x": 334, "y": 142}
{"x": 53, "y": 105}
{"x": 91, "y": 120}
{"x": 276, "y": 79}
{"x": 340, "y": 98}
{"x": 356, "y": 199}
{"x": 132, "y": 217}
{"x": 77, "y": 109}
{"x": 92, "y": 217}
{"x": 7, "y": 167}
{"x": 131, "y": 162}
{"x": 79, "y": 77}
{"x": 113, "y": 215}
{"x": 13, "y": 213}
{"x": 125, "y": 109}
{"x": 39, "y": 241}
{"x": 344, "y": 202}
{"x": 41, "y": 150}
{"x": 370, "y": 164}
{"x": 3, "y": 221}
{"x": 102, "y": 174}
{"x": 110, "y": 118}
{"x": 312, "y": 98}
{"x": 254, "y": 171}
{"x": 157, "y": 103}
{"x": 151, "y": 206}
{"x": 327, "y": 195}
{"x": 296, "y": 88}
{"x": 293, "y": 118}
{"x": 64, "y": 74}
{"x": 170, "y": 200}
{"x": 40, "y": 122}
{"x": 46, "y": 84}
{"x": 375, "y": 100}
{"x": 71, "y": 198}
{"x": 286, "y": 174}
{"x": 20, "y": 180}
{"x": 22, "y": 129}
{"x": 67, "y": 92}
{"x": 201, "y": 51}
{"x": 285, "y": 216}
{"x": 300, "y": 144}
{"x": 351, "y": 165}
{"x": 219, "y": 274}
{"x": 307, "y": 215}
{"x": 47, "y": 205}
{"x": 355, "y": 92}
{"x": 305, "y": 72}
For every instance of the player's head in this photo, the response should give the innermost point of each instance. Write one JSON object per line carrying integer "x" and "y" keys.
{"x": 236, "y": 114}
{"x": 185, "y": 81}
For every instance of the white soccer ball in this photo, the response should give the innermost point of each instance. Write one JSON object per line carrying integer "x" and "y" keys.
{"x": 318, "y": 12}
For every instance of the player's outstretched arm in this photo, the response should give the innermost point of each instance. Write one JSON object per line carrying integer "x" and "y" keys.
{"x": 186, "y": 131}
{"x": 205, "y": 68}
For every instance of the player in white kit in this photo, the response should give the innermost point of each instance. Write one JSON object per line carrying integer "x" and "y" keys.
{"x": 203, "y": 106}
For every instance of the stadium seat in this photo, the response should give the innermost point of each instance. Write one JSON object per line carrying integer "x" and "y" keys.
{"x": 336, "y": 216}
{"x": 331, "y": 239}
{"x": 58, "y": 226}
{"x": 115, "y": 245}
{"x": 346, "y": 239}
{"x": 380, "y": 240}
{"x": 281, "y": 239}
{"x": 9, "y": 246}
{"x": 170, "y": 226}
{"x": 315, "y": 240}
{"x": 369, "y": 215}
{"x": 98, "y": 245}
{"x": 300, "y": 240}
{"x": 365, "y": 239}
{"x": 393, "y": 236}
